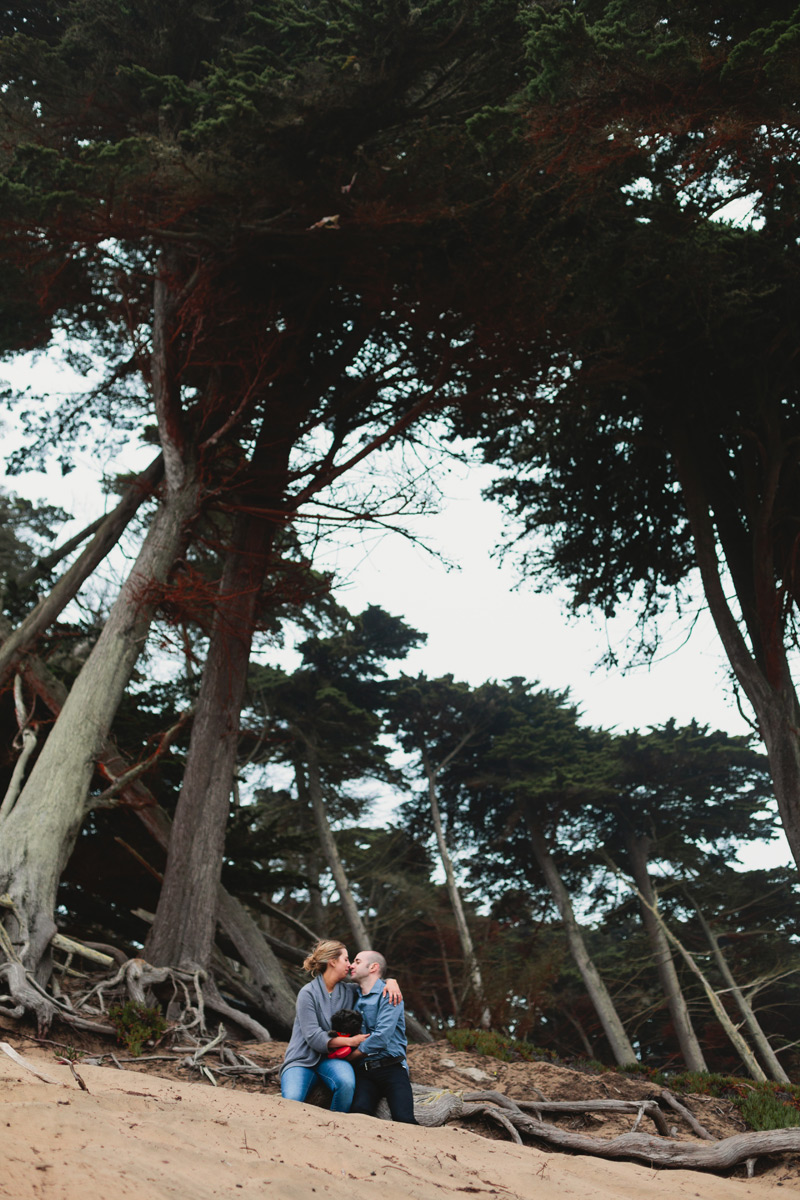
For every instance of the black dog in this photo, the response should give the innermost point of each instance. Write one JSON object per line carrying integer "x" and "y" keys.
{"x": 346, "y": 1023}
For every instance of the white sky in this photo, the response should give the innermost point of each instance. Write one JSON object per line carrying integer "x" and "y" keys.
{"x": 482, "y": 623}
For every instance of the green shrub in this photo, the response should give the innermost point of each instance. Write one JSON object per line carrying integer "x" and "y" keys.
{"x": 485, "y": 1041}
{"x": 765, "y": 1110}
{"x": 136, "y": 1024}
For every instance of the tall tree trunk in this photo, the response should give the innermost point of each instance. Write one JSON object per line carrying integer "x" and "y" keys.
{"x": 38, "y": 834}
{"x": 184, "y": 921}
{"x": 464, "y": 935}
{"x": 599, "y": 995}
{"x": 763, "y": 673}
{"x": 448, "y": 979}
{"x": 760, "y": 1040}
{"x": 182, "y": 933}
{"x": 330, "y": 850}
{"x": 316, "y": 909}
{"x": 668, "y": 976}
{"x": 313, "y": 859}
{"x": 109, "y": 531}
{"x": 588, "y": 1048}
{"x": 275, "y": 996}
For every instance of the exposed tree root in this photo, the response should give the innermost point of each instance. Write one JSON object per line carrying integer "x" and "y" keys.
{"x": 135, "y": 980}
{"x": 227, "y": 1062}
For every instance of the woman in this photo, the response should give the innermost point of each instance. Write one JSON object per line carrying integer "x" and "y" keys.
{"x": 311, "y": 1040}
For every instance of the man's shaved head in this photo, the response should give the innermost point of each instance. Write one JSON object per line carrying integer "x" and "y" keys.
{"x": 372, "y": 956}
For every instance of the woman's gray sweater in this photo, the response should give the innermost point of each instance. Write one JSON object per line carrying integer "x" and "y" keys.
{"x": 312, "y": 1023}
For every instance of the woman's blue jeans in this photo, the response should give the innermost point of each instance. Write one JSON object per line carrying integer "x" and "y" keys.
{"x": 334, "y": 1073}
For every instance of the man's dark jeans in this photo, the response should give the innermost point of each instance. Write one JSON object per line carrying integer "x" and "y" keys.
{"x": 391, "y": 1082}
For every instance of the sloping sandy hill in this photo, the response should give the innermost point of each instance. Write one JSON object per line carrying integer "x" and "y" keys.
{"x": 138, "y": 1136}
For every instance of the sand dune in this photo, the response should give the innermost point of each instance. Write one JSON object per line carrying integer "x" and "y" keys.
{"x": 141, "y": 1137}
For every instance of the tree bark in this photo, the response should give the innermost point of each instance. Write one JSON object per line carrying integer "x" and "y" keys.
{"x": 330, "y": 850}
{"x": 668, "y": 976}
{"x": 599, "y": 995}
{"x": 38, "y": 834}
{"x": 234, "y": 920}
{"x": 276, "y": 998}
{"x": 183, "y": 930}
{"x": 29, "y": 740}
{"x": 435, "y": 1108}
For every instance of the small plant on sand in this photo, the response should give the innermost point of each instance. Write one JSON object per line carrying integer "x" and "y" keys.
{"x": 69, "y": 1053}
{"x": 136, "y": 1024}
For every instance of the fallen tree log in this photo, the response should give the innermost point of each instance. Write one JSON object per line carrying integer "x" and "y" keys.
{"x": 663, "y": 1152}
{"x": 643, "y": 1108}
{"x": 434, "y": 1108}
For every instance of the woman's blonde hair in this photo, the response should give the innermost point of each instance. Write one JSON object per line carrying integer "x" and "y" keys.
{"x": 323, "y": 953}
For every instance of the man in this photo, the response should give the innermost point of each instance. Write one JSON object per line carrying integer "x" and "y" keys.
{"x": 380, "y": 1061}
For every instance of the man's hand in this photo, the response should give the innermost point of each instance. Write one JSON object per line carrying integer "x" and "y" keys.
{"x": 392, "y": 991}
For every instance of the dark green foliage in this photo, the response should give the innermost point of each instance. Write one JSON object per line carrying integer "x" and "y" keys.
{"x": 486, "y": 1041}
{"x": 335, "y": 700}
{"x": 27, "y": 532}
{"x": 136, "y": 1025}
{"x": 267, "y": 845}
{"x": 776, "y": 1108}
{"x": 692, "y": 792}
{"x": 661, "y": 338}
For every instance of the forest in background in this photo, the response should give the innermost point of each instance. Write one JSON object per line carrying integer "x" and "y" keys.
{"x": 287, "y": 236}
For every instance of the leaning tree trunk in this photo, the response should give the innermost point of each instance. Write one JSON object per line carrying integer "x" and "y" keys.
{"x": 760, "y": 1039}
{"x": 330, "y": 850}
{"x": 182, "y": 933}
{"x": 754, "y": 1068}
{"x": 464, "y": 935}
{"x": 667, "y": 974}
{"x": 107, "y": 534}
{"x": 763, "y": 672}
{"x": 314, "y": 858}
{"x": 599, "y": 995}
{"x": 38, "y": 834}
{"x": 275, "y": 995}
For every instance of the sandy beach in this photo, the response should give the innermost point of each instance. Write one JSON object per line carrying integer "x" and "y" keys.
{"x": 136, "y": 1136}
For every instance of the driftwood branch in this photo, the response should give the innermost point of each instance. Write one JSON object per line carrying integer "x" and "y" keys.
{"x": 689, "y": 1117}
{"x": 432, "y": 1107}
{"x": 70, "y": 946}
{"x": 643, "y": 1108}
{"x": 23, "y": 1062}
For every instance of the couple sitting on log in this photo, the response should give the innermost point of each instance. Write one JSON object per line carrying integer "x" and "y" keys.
{"x": 376, "y": 1066}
